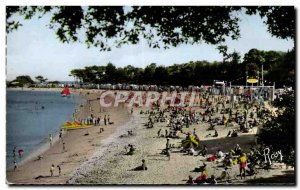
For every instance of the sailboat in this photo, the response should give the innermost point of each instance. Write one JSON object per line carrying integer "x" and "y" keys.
{"x": 65, "y": 92}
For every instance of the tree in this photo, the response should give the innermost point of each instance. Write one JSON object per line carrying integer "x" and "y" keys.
{"x": 278, "y": 133}
{"x": 160, "y": 75}
{"x": 22, "y": 81}
{"x": 160, "y": 26}
{"x": 41, "y": 79}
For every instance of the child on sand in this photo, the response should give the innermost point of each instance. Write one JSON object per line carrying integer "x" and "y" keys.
{"x": 243, "y": 164}
{"x": 59, "y": 170}
{"x": 52, "y": 170}
{"x": 142, "y": 167}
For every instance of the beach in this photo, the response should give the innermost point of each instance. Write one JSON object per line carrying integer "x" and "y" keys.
{"x": 100, "y": 158}
{"x": 117, "y": 168}
{"x": 79, "y": 148}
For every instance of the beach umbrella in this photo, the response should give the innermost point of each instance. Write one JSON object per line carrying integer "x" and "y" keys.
{"x": 189, "y": 142}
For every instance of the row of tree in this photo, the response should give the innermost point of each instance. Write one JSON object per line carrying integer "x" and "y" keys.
{"x": 279, "y": 67}
{"x": 25, "y": 80}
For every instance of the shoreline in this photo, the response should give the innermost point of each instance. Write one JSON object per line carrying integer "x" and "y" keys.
{"x": 69, "y": 164}
{"x": 43, "y": 146}
{"x": 101, "y": 158}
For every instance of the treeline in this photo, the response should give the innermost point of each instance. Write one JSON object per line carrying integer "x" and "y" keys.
{"x": 279, "y": 67}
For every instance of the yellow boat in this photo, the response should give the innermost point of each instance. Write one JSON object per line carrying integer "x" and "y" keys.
{"x": 75, "y": 125}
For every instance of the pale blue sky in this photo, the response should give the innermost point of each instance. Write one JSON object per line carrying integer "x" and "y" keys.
{"x": 34, "y": 50}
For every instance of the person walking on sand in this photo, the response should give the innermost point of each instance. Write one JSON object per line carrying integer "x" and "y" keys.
{"x": 15, "y": 165}
{"x": 64, "y": 147}
{"x": 104, "y": 119}
{"x": 168, "y": 153}
{"x": 131, "y": 111}
{"x": 50, "y": 140}
{"x": 52, "y": 170}
{"x": 60, "y": 135}
{"x": 243, "y": 163}
{"x": 59, "y": 170}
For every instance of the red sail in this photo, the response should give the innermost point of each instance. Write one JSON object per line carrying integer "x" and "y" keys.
{"x": 65, "y": 91}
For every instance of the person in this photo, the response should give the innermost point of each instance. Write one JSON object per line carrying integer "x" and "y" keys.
{"x": 131, "y": 111}
{"x": 243, "y": 163}
{"x": 190, "y": 180}
{"x": 131, "y": 149}
{"x": 216, "y": 133}
{"x": 60, "y": 135}
{"x": 203, "y": 177}
{"x": 21, "y": 152}
{"x": 98, "y": 121}
{"x": 158, "y": 132}
{"x": 234, "y": 133}
{"x": 142, "y": 167}
{"x": 219, "y": 154}
{"x": 64, "y": 146}
{"x": 101, "y": 129}
{"x": 228, "y": 134}
{"x": 15, "y": 165}
{"x": 14, "y": 151}
{"x": 168, "y": 153}
{"x": 108, "y": 119}
{"x": 59, "y": 170}
{"x": 203, "y": 151}
{"x": 212, "y": 180}
{"x": 52, "y": 170}
{"x": 237, "y": 149}
{"x": 39, "y": 157}
{"x": 104, "y": 119}
{"x": 168, "y": 143}
{"x": 50, "y": 139}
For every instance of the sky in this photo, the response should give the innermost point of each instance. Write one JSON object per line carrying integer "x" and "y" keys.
{"x": 34, "y": 50}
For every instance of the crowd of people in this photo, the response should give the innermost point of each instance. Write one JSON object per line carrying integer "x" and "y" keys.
{"x": 216, "y": 111}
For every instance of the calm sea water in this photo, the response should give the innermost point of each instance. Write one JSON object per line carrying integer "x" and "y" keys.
{"x": 28, "y": 125}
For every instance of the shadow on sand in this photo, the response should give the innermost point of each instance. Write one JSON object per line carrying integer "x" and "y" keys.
{"x": 227, "y": 143}
{"x": 288, "y": 178}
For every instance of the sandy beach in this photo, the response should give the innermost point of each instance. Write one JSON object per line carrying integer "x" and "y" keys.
{"x": 117, "y": 168}
{"x": 79, "y": 147}
{"x": 100, "y": 158}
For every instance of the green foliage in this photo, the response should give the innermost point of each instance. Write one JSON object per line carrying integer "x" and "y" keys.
{"x": 280, "y": 20}
{"x": 278, "y": 133}
{"x": 161, "y": 26}
{"x": 41, "y": 79}
{"x": 198, "y": 72}
{"x": 21, "y": 81}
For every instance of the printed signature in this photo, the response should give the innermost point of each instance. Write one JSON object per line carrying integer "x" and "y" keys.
{"x": 272, "y": 156}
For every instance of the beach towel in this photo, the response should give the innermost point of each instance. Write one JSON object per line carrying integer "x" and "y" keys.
{"x": 211, "y": 158}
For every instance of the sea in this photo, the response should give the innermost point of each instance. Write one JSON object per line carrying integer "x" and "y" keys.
{"x": 31, "y": 116}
